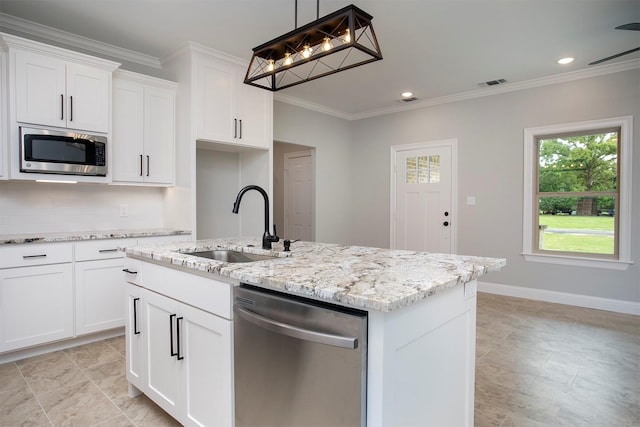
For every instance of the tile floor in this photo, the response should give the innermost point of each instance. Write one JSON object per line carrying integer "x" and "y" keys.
{"x": 538, "y": 364}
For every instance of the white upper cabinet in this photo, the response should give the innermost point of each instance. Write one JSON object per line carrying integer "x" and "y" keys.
{"x": 143, "y": 129}
{"x": 53, "y": 92}
{"x": 229, "y": 111}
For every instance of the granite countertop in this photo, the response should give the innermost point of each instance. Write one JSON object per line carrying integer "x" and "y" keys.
{"x": 71, "y": 236}
{"x": 356, "y": 276}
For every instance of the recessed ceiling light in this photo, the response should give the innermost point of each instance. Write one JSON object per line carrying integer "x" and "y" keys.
{"x": 407, "y": 94}
{"x": 565, "y": 61}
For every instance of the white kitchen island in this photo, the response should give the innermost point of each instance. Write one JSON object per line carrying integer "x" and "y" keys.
{"x": 421, "y": 324}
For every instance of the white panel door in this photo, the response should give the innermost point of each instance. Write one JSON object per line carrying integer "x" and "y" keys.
{"x": 99, "y": 295}
{"x": 40, "y": 89}
{"x": 423, "y": 214}
{"x": 36, "y": 305}
{"x": 159, "y": 135}
{"x": 164, "y": 370}
{"x": 299, "y": 194}
{"x": 89, "y": 94}
{"x": 205, "y": 342}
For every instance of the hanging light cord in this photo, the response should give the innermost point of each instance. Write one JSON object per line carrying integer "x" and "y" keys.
{"x": 295, "y": 21}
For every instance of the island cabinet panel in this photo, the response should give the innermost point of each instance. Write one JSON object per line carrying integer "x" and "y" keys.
{"x": 421, "y": 367}
{"x": 134, "y": 338}
{"x": 178, "y": 355}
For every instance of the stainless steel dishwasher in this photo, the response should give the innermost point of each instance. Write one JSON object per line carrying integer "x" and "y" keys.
{"x": 297, "y": 362}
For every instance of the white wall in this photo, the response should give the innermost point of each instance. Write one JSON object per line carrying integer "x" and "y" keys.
{"x": 331, "y": 138}
{"x": 32, "y": 207}
{"x": 490, "y": 158}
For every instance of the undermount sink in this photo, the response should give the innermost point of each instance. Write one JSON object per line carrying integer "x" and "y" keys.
{"x": 230, "y": 256}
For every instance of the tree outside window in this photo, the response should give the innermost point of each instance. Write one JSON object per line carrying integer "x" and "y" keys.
{"x": 577, "y": 192}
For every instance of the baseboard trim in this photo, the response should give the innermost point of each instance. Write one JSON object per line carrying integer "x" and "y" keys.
{"x": 618, "y": 306}
{"x": 14, "y": 355}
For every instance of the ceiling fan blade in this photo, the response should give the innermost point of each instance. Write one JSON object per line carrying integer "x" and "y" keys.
{"x": 634, "y": 26}
{"x": 614, "y": 56}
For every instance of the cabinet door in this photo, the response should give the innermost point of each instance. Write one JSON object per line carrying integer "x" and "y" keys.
{"x": 207, "y": 385}
{"x": 163, "y": 369}
{"x": 159, "y": 135}
{"x": 256, "y": 115}
{"x": 3, "y": 115}
{"x": 135, "y": 336}
{"x": 88, "y": 98}
{"x": 40, "y": 89}
{"x": 128, "y": 123}
{"x": 99, "y": 295}
{"x": 216, "y": 102}
{"x": 36, "y": 305}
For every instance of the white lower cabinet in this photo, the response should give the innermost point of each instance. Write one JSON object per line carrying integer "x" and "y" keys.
{"x": 99, "y": 295}
{"x": 36, "y": 305}
{"x": 178, "y": 355}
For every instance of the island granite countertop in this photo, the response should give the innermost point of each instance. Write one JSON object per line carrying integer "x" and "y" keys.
{"x": 74, "y": 236}
{"x": 356, "y": 276}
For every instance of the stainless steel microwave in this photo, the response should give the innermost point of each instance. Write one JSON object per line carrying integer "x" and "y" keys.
{"x": 62, "y": 152}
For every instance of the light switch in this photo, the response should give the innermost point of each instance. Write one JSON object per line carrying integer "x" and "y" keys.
{"x": 471, "y": 200}
{"x": 124, "y": 210}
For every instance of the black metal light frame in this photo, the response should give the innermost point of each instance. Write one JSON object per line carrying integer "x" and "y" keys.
{"x": 339, "y": 41}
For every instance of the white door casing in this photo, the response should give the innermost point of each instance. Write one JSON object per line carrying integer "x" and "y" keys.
{"x": 423, "y": 196}
{"x": 299, "y": 196}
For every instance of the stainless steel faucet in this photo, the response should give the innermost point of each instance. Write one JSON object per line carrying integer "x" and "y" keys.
{"x": 267, "y": 238}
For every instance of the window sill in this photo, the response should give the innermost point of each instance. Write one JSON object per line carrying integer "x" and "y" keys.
{"x": 609, "y": 264}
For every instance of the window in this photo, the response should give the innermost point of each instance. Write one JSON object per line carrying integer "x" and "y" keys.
{"x": 577, "y": 193}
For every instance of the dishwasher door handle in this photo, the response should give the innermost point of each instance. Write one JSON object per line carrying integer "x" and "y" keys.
{"x": 295, "y": 332}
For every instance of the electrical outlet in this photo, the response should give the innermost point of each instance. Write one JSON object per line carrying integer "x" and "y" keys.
{"x": 471, "y": 200}
{"x": 124, "y": 210}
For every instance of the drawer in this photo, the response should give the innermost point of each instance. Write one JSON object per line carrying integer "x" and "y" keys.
{"x": 102, "y": 249}
{"x": 28, "y": 254}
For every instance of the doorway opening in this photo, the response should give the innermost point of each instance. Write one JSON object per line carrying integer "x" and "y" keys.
{"x": 294, "y": 191}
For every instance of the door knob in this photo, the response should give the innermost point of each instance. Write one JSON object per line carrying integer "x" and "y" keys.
{"x": 446, "y": 214}
{"x": 446, "y": 223}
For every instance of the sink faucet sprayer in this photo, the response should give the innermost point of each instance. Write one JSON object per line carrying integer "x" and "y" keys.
{"x": 267, "y": 238}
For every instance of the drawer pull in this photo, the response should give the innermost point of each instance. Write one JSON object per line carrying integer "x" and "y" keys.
{"x": 126, "y": 270}
{"x": 34, "y": 256}
{"x": 135, "y": 316}
{"x": 104, "y": 251}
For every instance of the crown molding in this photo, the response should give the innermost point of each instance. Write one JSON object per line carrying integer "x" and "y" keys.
{"x": 277, "y": 96}
{"x": 510, "y": 87}
{"x": 9, "y": 22}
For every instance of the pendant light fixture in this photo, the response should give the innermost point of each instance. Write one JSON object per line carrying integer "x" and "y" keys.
{"x": 341, "y": 40}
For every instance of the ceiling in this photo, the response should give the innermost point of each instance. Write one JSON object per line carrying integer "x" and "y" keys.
{"x": 433, "y": 48}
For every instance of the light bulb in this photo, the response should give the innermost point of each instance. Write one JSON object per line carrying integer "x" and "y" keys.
{"x": 347, "y": 36}
{"x": 271, "y": 65}
{"x": 287, "y": 59}
{"x": 326, "y": 45}
{"x": 306, "y": 52}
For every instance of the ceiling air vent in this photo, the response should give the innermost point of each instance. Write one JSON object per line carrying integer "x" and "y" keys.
{"x": 493, "y": 82}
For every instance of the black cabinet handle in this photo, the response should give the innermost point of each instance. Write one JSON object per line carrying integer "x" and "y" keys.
{"x": 34, "y": 256}
{"x": 135, "y": 316}
{"x": 71, "y": 110}
{"x": 140, "y": 164}
{"x": 178, "y": 323}
{"x": 173, "y": 353}
{"x": 147, "y": 165}
{"x": 106, "y": 251}
{"x": 235, "y": 128}
{"x": 61, "y": 107}
{"x": 126, "y": 270}
{"x": 240, "y": 128}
